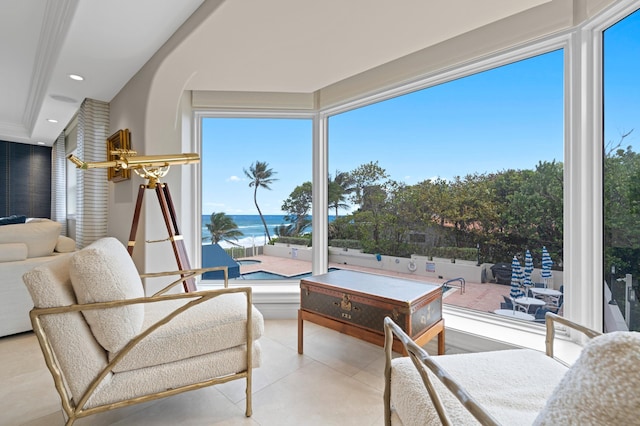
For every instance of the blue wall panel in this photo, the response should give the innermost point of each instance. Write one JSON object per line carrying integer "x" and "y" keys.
{"x": 25, "y": 180}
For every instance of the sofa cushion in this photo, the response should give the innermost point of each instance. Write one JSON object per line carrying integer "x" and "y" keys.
{"x": 40, "y": 237}
{"x": 11, "y": 252}
{"x": 211, "y": 326}
{"x": 13, "y": 219}
{"x": 102, "y": 272}
{"x": 601, "y": 387}
{"x": 65, "y": 244}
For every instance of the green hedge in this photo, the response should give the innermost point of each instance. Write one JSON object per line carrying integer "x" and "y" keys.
{"x": 462, "y": 253}
{"x": 299, "y": 241}
{"x": 352, "y": 244}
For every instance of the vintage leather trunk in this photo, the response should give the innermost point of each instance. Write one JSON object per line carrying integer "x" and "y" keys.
{"x": 363, "y": 300}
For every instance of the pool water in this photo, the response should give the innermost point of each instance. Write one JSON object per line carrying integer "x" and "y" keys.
{"x": 248, "y": 261}
{"x": 264, "y": 275}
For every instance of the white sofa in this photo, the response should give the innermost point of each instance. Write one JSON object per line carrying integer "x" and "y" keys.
{"x": 24, "y": 246}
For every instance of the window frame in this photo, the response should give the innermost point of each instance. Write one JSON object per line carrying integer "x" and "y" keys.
{"x": 583, "y": 198}
{"x": 466, "y": 318}
{"x": 595, "y": 31}
{"x": 202, "y": 113}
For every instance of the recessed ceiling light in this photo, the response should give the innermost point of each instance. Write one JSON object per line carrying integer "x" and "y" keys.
{"x": 40, "y": 143}
{"x": 76, "y": 77}
{"x": 51, "y": 120}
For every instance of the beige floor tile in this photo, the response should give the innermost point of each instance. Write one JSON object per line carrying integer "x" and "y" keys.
{"x": 286, "y": 331}
{"x": 53, "y": 419}
{"x": 278, "y": 361}
{"x": 317, "y": 395}
{"x": 31, "y": 395}
{"x": 373, "y": 373}
{"x": 345, "y": 354}
{"x": 338, "y": 380}
{"x": 18, "y": 355}
{"x": 205, "y": 406}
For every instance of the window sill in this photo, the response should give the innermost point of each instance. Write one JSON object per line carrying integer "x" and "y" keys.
{"x": 469, "y": 330}
{"x": 495, "y": 330}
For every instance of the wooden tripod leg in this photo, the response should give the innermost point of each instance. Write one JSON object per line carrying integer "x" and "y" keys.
{"x": 177, "y": 240}
{"x": 136, "y": 220}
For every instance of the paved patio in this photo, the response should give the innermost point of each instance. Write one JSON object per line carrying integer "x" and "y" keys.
{"x": 482, "y": 297}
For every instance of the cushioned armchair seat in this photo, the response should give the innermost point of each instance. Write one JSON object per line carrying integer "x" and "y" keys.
{"x": 515, "y": 387}
{"x": 108, "y": 345}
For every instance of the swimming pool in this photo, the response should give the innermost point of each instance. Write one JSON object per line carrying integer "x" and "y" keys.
{"x": 248, "y": 261}
{"x": 265, "y": 275}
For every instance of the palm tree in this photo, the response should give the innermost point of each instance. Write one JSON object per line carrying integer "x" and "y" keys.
{"x": 261, "y": 176}
{"x": 223, "y": 228}
{"x": 339, "y": 187}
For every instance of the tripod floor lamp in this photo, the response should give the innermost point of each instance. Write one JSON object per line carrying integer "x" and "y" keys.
{"x": 152, "y": 168}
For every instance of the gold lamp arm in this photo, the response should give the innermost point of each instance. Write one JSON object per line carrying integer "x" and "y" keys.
{"x": 150, "y": 167}
{"x": 136, "y": 162}
{"x": 92, "y": 165}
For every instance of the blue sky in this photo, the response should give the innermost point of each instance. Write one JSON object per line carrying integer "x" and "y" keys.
{"x": 233, "y": 144}
{"x": 621, "y": 83}
{"x": 508, "y": 117}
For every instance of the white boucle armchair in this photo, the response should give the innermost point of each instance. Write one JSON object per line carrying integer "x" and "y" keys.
{"x": 108, "y": 346}
{"x": 515, "y": 387}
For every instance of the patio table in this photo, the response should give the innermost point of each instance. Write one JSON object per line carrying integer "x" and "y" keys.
{"x": 549, "y": 295}
{"x": 545, "y": 291}
{"x": 527, "y": 302}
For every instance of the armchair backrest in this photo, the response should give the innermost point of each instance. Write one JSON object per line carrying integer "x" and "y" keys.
{"x": 79, "y": 356}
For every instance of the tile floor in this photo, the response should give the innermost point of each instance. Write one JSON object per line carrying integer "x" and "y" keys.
{"x": 338, "y": 381}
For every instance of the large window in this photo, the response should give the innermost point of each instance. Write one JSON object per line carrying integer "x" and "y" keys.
{"x": 256, "y": 185}
{"x": 621, "y": 60}
{"x": 457, "y": 177}
{"x": 475, "y": 165}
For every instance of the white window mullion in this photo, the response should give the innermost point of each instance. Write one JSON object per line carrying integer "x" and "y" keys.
{"x": 320, "y": 209}
{"x": 583, "y": 182}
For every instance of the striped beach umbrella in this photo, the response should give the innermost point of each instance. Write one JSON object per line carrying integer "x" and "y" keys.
{"x": 516, "y": 279}
{"x": 546, "y": 264}
{"x": 528, "y": 269}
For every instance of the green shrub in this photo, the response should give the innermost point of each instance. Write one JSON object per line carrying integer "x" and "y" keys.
{"x": 462, "y": 253}
{"x": 299, "y": 241}
{"x": 352, "y": 244}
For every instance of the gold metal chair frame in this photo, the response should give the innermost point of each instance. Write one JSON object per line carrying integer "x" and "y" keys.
{"x": 423, "y": 361}
{"x": 75, "y": 411}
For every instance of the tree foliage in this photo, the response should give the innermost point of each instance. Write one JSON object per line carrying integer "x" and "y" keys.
{"x": 261, "y": 176}
{"x": 365, "y": 176}
{"x": 622, "y": 208}
{"x": 340, "y": 187}
{"x": 504, "y": 213}
{"x": 223, "y": 228}
{"x": 298, "y": 207}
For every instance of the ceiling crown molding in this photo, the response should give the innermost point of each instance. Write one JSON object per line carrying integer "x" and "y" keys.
{"x": 56, "y": 21}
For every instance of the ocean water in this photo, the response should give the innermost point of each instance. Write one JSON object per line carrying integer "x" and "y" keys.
{"x": 250, "y": 225}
